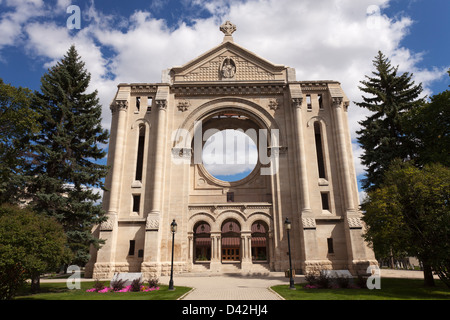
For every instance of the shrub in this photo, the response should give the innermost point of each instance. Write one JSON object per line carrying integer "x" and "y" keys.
{"x": 342, "y": 281}
{"x": 323, "y": 280}
{"x": 117, "y": 284}
{"x": 98, "y": 285}
{"x": 152, "y": 283}
{"x": 361, "y": 281}
{"x": 136, "y": 285}
{"x": 311, "y": 278}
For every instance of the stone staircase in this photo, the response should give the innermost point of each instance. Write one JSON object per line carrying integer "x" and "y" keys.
{"x": 202, "y": 270}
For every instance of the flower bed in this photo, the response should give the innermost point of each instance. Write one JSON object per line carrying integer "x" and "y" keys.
{"x": 118, "y": 286}
{"x": 125, "y": 289}
{"x": 323, "y": 281}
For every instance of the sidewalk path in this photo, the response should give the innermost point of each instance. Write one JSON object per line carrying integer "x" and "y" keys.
{"x": 230, "y": 287}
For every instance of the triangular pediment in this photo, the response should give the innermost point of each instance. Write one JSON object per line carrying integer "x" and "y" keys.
{"x": 228, "y": 62}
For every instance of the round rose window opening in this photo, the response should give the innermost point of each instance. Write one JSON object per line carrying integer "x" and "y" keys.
{"x": 230, "y": 155}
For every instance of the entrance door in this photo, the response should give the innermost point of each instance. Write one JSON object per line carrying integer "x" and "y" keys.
{"x": 231, "y": 241}
{"x": 231, "y": 254}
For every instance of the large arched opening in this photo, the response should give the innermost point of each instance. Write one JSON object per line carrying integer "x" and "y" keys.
{"x": 202, "y": 242}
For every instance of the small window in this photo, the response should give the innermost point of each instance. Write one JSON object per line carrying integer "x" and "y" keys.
{"x": 308, "y": 101}
{"x": 140, "y": 154}
{"x": 330, "y": 245}
{"x": 230, "y": 196}
{"x": 131, "y": 250}
{"x": 140, "y": 253}
{"x": 149, "y": 104}
{"x": 136, "y": 202}
{"x": 325, "y": 201}
{"x": 320, "y": 100}
{"x": 138, "y": 103}
{"x": 319, "y": 150}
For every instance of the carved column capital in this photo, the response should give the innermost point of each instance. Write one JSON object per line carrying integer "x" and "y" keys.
{"x": 297, "y": 102}
{"x": 337, "y": 102}
{"x": 161, "y": 104}
{"x": 119, "y": 105}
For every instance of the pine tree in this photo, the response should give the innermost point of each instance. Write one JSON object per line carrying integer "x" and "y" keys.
{"x": 66, "y": 152}
{"x": 382, "y": 135}
{"x": 17, "y": 123}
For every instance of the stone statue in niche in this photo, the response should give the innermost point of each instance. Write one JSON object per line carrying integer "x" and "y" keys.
{"x": 228, "y": 68}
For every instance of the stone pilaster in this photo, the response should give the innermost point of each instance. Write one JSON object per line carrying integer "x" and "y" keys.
{"x": 152, "y": 248}
{"x": 359, "y": 257}
{"x": 104, "y": 267}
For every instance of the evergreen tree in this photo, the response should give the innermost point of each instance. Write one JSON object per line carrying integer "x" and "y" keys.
{"x": 429, "y": 127}
{"x": 382, "y": 135}
{"x": 17, "y": 122}
{"x": 64, "y": 170}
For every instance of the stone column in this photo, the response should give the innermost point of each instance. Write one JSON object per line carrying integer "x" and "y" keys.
{"x": 246, "y": 259}
{"x": 215, "y": 252}
{"x": 190, "y": 248}
{"x": 342, "y": 143}
{"x": 309, "y": 247}
{"x": 104, "y": 266}
{"x": 152, "y": 248}
{"x": 300, "y": 140}
{"x": 357, "y": 251}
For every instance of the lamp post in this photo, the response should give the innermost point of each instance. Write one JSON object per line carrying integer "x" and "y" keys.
{"x": 173, "y": 228}
{"x": 287, "y": 224}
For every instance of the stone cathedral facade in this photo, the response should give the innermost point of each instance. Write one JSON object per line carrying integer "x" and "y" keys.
{"x": 230, "y": 226}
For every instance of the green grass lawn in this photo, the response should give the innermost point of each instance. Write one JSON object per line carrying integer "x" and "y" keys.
{"x": 59, "y": 291}
{"x": 391, "y": 289}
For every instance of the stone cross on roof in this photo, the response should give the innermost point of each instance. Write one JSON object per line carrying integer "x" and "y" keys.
{"x": 228, "y": 28}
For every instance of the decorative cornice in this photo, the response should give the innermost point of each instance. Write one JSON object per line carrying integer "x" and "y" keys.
{"x": 144, "y": 88}
{"x": 227, "y": 89}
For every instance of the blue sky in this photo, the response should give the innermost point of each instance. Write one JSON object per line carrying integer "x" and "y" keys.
{"x": 133, "y": 41}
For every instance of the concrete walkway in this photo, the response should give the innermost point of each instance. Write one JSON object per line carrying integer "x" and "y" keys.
{"x": 230, "y": 286}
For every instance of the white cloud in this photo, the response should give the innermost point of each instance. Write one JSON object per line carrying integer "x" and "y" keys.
{"x": 12, "y": 20}
{"x": 327, "y": 39}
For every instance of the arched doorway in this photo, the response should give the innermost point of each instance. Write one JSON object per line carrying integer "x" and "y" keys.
{"x": 202, "y": 242}
{"x": 259, "y": 245}
{"x": 231, "y": 241}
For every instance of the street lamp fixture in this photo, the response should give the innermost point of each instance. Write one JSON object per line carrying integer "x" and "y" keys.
{"x": 173, "y": 228}
{"x": 287, "y": 224}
